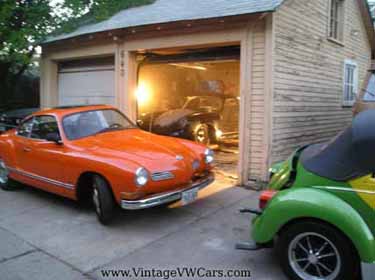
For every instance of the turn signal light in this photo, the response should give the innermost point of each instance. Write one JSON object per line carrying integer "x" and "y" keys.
{"x": 265, "y": 197}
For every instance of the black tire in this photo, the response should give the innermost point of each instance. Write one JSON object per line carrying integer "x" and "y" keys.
{"x": 5, "y": 183}
{"x": 291, "y": 254}
{"x": 6, "y": 187}
{"x": 103, "y": 200}
{"x": 11, "y": 186}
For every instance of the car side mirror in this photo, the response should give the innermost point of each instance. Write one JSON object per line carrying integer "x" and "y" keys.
{"x": 54, "y": 137}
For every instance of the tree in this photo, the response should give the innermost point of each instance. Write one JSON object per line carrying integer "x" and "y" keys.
{"x": 24, "y": 24}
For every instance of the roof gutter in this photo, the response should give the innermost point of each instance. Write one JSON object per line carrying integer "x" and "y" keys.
{"x": 162, "y": 29}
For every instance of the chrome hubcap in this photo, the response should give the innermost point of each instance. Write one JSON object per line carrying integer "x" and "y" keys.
{"x": 3, "y": 173}
{"x": 202, "y": 136}
{"x": 313, "y": 257}
{"x": 95, "y": 198}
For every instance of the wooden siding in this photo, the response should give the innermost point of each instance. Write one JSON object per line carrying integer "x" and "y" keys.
{"x": 308, "y": 73}
{"x": 257, "y": 117}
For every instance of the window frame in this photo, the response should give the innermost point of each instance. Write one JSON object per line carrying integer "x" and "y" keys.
{"x": 354, "y": 83}
{"x": 32, "y": 127}
{"x": 135, "y": 126}
{"x": 22, "y": 123}
{"x": 340, "y": 21}
{"x": 363, "y": 92}
{"x": 32, "y": 118}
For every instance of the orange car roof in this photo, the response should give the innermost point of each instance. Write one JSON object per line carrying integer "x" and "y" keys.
{"x": 67, "y": 110}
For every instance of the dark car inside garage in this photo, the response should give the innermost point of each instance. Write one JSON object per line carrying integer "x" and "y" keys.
{"x": 193, "y": 94}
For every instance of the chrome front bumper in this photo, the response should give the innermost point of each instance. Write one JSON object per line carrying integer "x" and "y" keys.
{"x": 165, "y": 197}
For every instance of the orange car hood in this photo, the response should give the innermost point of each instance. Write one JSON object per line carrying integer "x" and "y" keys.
{"x": 143, "y": 148}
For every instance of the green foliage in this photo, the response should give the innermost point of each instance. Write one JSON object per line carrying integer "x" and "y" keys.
{"x": 89, "y": 11}
{"x": 24, "y": 24}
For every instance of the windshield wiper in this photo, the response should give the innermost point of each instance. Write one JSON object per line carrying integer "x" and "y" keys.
{"x": 112, "y": 127}
{"x": 369, "y": 92}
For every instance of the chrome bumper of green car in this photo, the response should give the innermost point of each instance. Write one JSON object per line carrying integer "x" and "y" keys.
{"x": 368, "y": 271}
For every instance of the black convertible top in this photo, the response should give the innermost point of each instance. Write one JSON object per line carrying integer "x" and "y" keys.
{"x": 349, "y": 155}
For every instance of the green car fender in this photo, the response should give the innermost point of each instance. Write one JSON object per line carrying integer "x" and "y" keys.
{"x": 293, "y": 204}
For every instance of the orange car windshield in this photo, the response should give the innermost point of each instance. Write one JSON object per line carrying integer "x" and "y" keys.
{"x": 88, "y": 123}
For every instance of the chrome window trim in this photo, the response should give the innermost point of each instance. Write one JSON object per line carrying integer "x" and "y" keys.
{"x": 344, "y": 189}
{"x": 24, "y": 121}
{"x": 32, "y": 127}
{"x": 32, "y": 119}
{"x": 135, "y": 126}
{"x": 41, "y": 178}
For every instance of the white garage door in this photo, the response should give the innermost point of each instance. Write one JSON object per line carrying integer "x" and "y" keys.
{"x": 85, "y": 85}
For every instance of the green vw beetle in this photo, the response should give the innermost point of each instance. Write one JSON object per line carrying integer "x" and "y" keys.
{"x": 319, "y": 210}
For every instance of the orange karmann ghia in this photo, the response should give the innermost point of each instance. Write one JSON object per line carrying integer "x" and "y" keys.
{"x": 95, "y": 153}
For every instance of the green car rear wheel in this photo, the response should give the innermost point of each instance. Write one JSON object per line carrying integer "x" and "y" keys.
{"x": 314, "y": 251}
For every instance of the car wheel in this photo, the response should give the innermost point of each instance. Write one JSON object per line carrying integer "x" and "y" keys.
{"x": 202, "y": 134}
{"x": 4, "y": 180}
{"x": 315, "y": 251}
{"x": 103, "y": 200}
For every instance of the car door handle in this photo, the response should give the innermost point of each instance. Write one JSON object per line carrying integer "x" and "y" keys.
{"x": 26, "y": 149}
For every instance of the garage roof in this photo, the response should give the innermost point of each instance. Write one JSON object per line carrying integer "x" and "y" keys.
{"x": 164, "y": 11}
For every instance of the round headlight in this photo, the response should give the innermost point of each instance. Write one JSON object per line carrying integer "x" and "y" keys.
{"x": 209, "y": 156}
{"x": 218, "y": 133}
{"x": 141, "y": 177}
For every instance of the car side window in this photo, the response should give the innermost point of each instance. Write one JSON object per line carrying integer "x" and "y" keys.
{"x": 24, "y": 129}
{"x": 369, "y": 95}
{"x": 42, "y": 126}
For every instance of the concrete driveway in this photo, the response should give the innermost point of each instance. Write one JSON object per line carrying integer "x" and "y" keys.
{"x": 46, "y": 237}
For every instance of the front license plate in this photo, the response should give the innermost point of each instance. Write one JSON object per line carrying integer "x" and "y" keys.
{"x": 189, "y": 196}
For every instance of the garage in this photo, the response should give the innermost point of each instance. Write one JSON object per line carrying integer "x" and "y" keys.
{"x": 193, "y": 94}
{"x": 162, "y": 70}
{"x": 85, "y": 82}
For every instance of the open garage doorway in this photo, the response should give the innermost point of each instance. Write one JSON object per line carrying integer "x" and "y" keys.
{"x": 193, "y": 94}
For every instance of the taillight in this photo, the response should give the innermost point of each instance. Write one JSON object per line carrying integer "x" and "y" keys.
{"x": 265, "y": 197}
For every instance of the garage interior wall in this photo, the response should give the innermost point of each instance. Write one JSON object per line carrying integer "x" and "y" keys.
{"x": 208, "y": 89}
{"x": 171, "y": 83}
